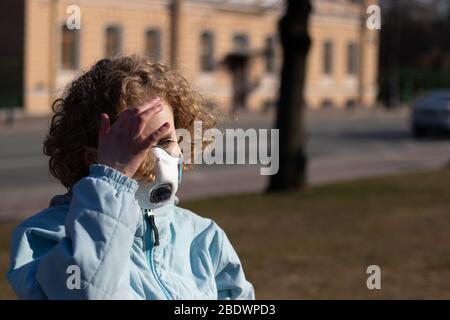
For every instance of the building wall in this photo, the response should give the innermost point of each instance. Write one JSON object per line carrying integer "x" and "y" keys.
{"x": 341, "y": 24}
{"x": 43, "y": 56}
{"x": 225, "y": 24}
{"x": 336, "y": 20}
{"x": 134, "y": 19}
{"x": 37, "y": 57}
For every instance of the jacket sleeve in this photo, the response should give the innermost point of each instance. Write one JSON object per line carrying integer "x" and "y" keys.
{"x": 99, "y": 232}
{"x": 230, "y": 278}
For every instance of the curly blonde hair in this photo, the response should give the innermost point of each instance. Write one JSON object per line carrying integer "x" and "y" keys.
{"x": 110, "y": 86}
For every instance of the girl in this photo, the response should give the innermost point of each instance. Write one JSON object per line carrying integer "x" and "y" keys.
{"x": 117, "y": 233}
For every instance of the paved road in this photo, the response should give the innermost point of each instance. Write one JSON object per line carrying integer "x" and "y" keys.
{"x": 342, "y": 145}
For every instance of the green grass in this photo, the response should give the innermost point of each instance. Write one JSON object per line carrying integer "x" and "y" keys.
{"x": 318, "y": 243}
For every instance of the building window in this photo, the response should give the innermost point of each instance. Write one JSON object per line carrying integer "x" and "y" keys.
{"x": 153, "y": 44}
{"x": 352, "y": 58}
{"x": 240, "y": 42}
{"x": 113, "y": 41}
{"x": 70, "y": 50}
{"x": 207, "y": 51}
{"x": 328, "y": 57}
{"x": 270, "y": 54}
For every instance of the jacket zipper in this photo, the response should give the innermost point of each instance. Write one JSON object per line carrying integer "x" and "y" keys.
{"x": 149, "y": 222}
{"x": 151, "y": 218}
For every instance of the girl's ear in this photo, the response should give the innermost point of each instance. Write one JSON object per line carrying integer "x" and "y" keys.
{"x": 90, "y": 155}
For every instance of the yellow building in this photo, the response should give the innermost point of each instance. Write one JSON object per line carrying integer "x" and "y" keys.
{"x": 227, "y": 49}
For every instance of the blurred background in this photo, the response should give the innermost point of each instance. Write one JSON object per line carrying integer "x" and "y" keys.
{"x": 363, "y": 113}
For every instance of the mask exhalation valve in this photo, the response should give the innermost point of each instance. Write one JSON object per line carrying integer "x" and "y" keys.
{"x": 161, "y": 193}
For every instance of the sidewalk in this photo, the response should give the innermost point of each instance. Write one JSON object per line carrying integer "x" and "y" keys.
{"x": 342, "y": 145}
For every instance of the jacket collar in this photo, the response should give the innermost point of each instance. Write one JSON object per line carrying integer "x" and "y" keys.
{"x": 61, "y": 199}
{"x": 65, "y": 198}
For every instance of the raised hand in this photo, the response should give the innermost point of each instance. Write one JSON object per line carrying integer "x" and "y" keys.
{"x": 125, "y": 145}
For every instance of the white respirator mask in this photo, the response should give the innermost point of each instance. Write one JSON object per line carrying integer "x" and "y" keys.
{"x": 168, "y": 171}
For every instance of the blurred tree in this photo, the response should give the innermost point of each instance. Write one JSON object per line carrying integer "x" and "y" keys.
{"x": 175, "y": 17}
{"x": 293, "y": 30}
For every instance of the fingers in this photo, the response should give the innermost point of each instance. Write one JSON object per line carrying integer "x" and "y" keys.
{"x": 156, "y": 135}
{"x": 130, "y": 120}
{"x": 143, "y": 118}
{"x": 146, "y": 106}
{"x": 105, "y": 125}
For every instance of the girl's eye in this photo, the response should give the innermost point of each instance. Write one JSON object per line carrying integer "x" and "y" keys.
{"x": 165, "y": 142}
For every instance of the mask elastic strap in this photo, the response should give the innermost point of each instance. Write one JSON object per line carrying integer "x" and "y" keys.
{"x": 180, "y": 168}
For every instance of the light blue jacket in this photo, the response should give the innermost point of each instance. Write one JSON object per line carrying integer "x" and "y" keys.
{"x": 100, "y": 229}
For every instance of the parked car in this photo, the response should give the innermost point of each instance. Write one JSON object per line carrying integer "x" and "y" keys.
{"x": 431, "y": 113}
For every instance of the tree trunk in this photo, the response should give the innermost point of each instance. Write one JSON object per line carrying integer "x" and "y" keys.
{"x": 293, "y": 30}
{"x": 175, "y": 16}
